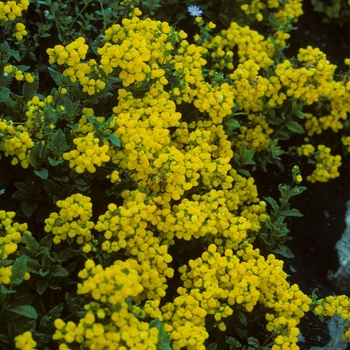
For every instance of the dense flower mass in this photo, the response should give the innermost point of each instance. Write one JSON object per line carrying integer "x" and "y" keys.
{"x": 108, "y": 323}
{"x": 72, "y": 220}
{"x": 144, "y": 147}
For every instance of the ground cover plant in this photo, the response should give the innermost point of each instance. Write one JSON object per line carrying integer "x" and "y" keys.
{"x": 130, "y": 133}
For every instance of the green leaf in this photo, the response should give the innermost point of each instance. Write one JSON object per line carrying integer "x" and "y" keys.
{"x": 81, "y": 185}
{"x": 292, "y": 212}
{"x": 244, "y": 172}
{"x": 242, "y": 332}
{"x": 30, "y": 242}
{"x": 4, "y": 290}
{"x": 45, "y": 265}
{"x": 61, "y": 178}
{"x": 28, "y": 207}
{"x": 30, "y": 89}
{"x": 67, "y": 254}
{"x": 253, "y": 342}
{"x": 46, "y": 242}
{"x": 58, "y": 271}
{"x": 54, "y": 162}
{"x": 33, "y": 266}
{"x": 25, "y": 310}
{"x": 56, "y": 76}
{"x": 93, "y": 120}
{"x": 272, "y": 202}
{"x": 114, "y": 139}
{"x": 265, "y": 237}
{"x": 284, "y": 251}
{"x": 58, "y": 143}
{"x": 164, "y": 340}
{"x": 46, "y": 322}
{"x": 21, "y": 195}
{"x": 22, "y": 186}
{"x": 52, "y": 188}
{"x": 294, "y": 126}
{"x": 19, "y": 268}
{"x": 233, "y": 123}
{"x": 36, "y": 155}
{"x": 42, "y": 173}
{"x": 41, "y": 285}
{"x": 242, "y": 318}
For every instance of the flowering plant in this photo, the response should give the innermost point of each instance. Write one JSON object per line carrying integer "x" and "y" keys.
{"x": 129, "y": 150}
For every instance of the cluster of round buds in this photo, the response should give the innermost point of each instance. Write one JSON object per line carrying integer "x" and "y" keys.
{"x": 87, "y": 154}
{"x": 72, "y": 220}
{"x": 256, "y": 134}
{"x": 69, "y": 55}
{"x": 336, "y": 305}
{"x": 291, "y": 10}
{"x": 10, "y": 236}
{"x": 217, "y": 101}
{"x": 250, "y": 44}
{"x": 126, "y": 228}
{"x": 326, "y": 164}
{"x": 16, "y": 142}
{"x": 88, "y": 73}
{"x": 112, "y": 285}
{"x": 103, "y": 329}
{"x": 138, "y": 49}
{"x": 108, "y": 322}
{"x": 25, "y": 341}
{"x": 248, "y": 86}
{"x": 20, "y": 31}
{"x": 9, "y": 10}
{"x": 285, "y": 331}
{"x": 19, "y": 75}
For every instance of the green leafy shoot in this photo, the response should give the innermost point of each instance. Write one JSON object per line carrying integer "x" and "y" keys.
{"x": 274, "y": 231}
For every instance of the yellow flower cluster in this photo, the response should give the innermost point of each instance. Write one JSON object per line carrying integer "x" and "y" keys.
{"x": 326, "y": 164}
{"x": 210, "y": 216}
{"x": 118, "y": 327}
{"x": 85, "y": 127}
{"x": 250, "y": 45}
{"x": 18, "y": 74}
{"x": 38, "y": 108}
{"x": 302, "y": 82}
{"x": 332, "y": 305}
{"x": 142, "y": 128}
{"x": 83, "y": 131}
{"x": 111, "y": 285}
{"x": 217, "y": 101}
{"x": 346, "y": 142}
{"x": 215, "y": 282}
{"x": 71, "y": 55}
{"x": 138, "y": 48}
{"x": 10, "y": 235}
{"x": 255, "y": 134}
{"x": 283, "y": 10}
{"x": 72, "y": 220}
{"x": 25, "y": 341}
{"x": 248, "y": 86}
{"x": 291, "y": 10}
{"x": 126, "y": 227}
{"x": 206, "y": 216}
{"x": 9, "y": 10}
{"x": 16, "y": 142}
{"x": 20, "y": 31}
{"x": 88, "y": 154}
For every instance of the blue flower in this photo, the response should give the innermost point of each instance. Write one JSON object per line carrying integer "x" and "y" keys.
{"x": 195, "y": 11}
